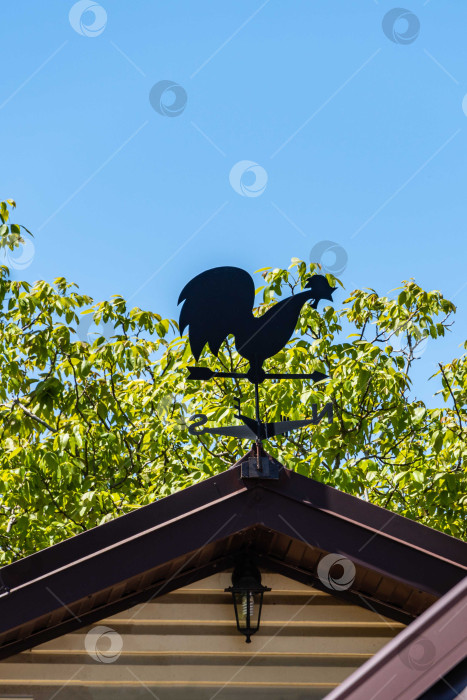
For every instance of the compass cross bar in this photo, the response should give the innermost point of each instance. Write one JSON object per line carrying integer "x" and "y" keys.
{"x": 204, "y": 374}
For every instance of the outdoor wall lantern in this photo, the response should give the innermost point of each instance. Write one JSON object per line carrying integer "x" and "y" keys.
{"x": 247, "y": 593}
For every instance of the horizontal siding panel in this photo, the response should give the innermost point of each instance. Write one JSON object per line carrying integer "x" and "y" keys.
{"x": 274, "y": 609}
{"x": 328, "y": 670}
{"x": 224, "y": 579}
{"x": 38, "y": 656}
{"x": 232, "y": 641}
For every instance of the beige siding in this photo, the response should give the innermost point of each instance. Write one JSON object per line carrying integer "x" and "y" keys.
{"x": 185, "y": 646}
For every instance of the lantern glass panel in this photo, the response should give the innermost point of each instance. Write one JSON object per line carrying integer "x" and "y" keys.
{"x": 248, "y": 607}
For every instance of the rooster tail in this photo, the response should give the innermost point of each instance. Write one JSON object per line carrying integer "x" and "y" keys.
{"x": 216, "y": 303}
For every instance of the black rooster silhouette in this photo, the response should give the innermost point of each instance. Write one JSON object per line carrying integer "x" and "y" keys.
{"x": 220, "y": 301}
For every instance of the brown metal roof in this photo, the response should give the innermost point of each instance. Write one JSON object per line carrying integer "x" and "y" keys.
{"x": 401, "y": 567}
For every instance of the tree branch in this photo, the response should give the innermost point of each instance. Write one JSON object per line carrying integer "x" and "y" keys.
{"x": 33, "y": 416}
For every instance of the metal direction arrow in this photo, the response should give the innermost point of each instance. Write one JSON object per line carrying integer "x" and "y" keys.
{"x": 203, "y": 374}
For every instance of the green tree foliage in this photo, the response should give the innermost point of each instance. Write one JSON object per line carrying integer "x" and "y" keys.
{"x": 92, "y": 430}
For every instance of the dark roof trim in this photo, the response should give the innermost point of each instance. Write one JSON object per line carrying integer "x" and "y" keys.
{"x": 417, "y": 657}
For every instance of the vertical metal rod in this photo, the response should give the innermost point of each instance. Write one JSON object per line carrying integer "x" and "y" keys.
{"x": 258, "y": 421}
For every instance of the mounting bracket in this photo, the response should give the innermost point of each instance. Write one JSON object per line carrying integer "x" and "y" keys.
{"x": 269, "y": 469}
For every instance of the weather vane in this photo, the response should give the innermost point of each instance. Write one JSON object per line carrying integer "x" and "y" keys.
{"x": 219, "y": 302}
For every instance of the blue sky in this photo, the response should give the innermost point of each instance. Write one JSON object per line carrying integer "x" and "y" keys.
{"x": 350, "y": 134}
